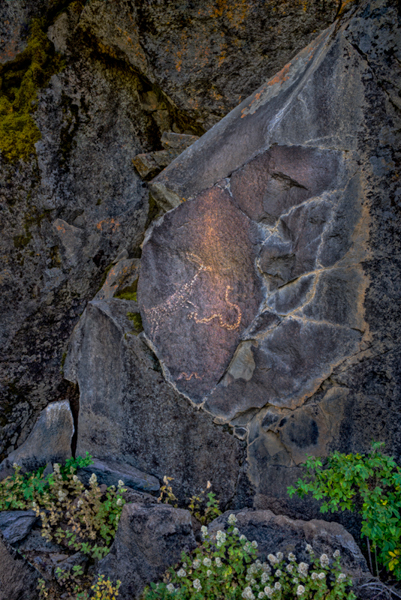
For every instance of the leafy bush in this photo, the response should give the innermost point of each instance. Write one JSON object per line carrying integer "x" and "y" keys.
{"x": 226, "y": 568}
{"x": 85, "y": 519}
{"x": 204, "y": 507}
{"x": 18, "y": 491}
{"x": 367, "y": 483}
{"x": 102, "y": 589}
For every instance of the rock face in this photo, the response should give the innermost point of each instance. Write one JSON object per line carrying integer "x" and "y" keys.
{"x": 110, "y": 473}
{"x": 278, "y": 533}
{"x": 18, "y": 579}
{"x": 15, "y": 525}
{"x": 133, "y": 73}
{"x": 148, "y": 541}
{"x": 49, "y": 441}
{"x": 130, "y": 414}
{"x": 261, "y": 293}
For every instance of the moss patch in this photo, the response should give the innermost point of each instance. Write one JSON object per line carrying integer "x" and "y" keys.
{"x": 136, "y": 320}
{"x": 129, "y": 292}
{"x": 20, "y": 81}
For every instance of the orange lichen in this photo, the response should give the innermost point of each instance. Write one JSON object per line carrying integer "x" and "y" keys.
{"x": 111, "y": 224}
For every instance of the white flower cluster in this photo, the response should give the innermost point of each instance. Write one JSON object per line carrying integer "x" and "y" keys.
{"x": 56, "y": 468}
{"x": 341, "y": 577}
{"x": 300, "y": 590}
{"x": 324, "y": 560}
{"x": 181, "y": 573}
{"x": 204, "y": 531}
{"x": 232, "y": 519}
{"x": 119, "y": 502}
{"x": 197, "y": 585}
{"x": 207, "y": 562}
{"x": 92, "y": 479}
{"x": 170, "y": 587}
{"x": 291, "y": 557}
{"x": 218, "y": 561}
{"x": 221, "y": 538}
{"x": 120, "y": 483}
{"x": 248, "y": 594}
{"x": 336, "y": 554}
{"x": 303, "y": 569}
{"x": 196, "y": 564}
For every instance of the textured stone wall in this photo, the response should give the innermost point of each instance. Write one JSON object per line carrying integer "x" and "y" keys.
{"x": 129, "y": 71}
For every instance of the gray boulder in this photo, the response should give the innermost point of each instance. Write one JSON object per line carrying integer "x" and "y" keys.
{"x": 48, "y": 442}
{"x": 148, "y": 541}
{"x": 110, "y": 473}
{"x": 18, "y": 579}
{"x": 15, "y": 525}
{"x": 278, "y": 533}
{"x": 128, "y": 412}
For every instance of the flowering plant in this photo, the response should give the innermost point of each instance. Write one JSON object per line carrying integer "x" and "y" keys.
{"x": 225, "y": 567}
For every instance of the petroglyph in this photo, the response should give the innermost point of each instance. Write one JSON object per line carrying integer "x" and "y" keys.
{"x": 188, "y": 377}
{"x": 222, "y": 322}
{"x": 158, "y": 314}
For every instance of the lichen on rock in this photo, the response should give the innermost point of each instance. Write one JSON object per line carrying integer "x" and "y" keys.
{"x": 20, "y": 81}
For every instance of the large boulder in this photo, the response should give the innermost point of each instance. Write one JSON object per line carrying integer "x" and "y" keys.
{"x": 130, "y": 415}
{"x": 278, "y": 533}
{"x": 49, "y": 441}
{"x": 149, "y": 539}
{"x": 15, "y": 525}
{"x": 270, "y": 293}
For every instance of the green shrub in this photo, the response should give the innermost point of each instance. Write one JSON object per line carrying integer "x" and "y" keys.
{"x": 18, "y": 491}
{"x": 226, "y": 568}
{"x": 367, "y": 483}
{"x": 84, "y": 519}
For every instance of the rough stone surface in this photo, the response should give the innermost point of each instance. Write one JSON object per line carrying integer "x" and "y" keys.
{"x": 110, "y": 473}
{"x": 200, "y": 290}
{"x": 18, "y": 579}
{"x": 129, "y": 413}
{"x": 148, "y": 541}
{"x": 134, "y": 71}
{"x": 48, "y": 442}
{"x": 278, "y": 533}
{"x": 315, "y": 367}
{"x": 15, "y": 525}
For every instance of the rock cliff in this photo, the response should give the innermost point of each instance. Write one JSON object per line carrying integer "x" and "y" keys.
{"x": 86, "y": 87}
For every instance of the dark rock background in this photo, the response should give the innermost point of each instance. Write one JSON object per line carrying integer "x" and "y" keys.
{"x": 133, "y": 70}
{"x": 305, "y": 173}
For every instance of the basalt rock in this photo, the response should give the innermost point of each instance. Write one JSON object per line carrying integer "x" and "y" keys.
{"x": 49, "y": 441}
{"x": 278, "y": 533}
{"x": 18, "y": 579}
{"x": 131, "y": 416}
{"x": 131, "y": 73}
{"x": 148, "y": 541}
{"x": 15, "y": 525}
{"x": 269, "y": 293}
